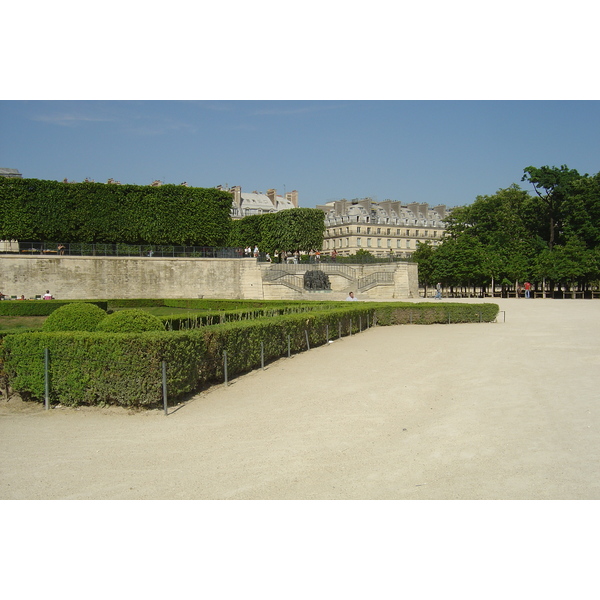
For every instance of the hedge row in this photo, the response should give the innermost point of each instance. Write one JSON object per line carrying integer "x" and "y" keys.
{"x": 39, "y": 308}
{"x": 125, "y": 369}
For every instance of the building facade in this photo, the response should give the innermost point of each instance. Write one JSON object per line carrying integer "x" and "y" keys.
{"x": 4, "y": 172}
{"x": 384, "y": 229}
{"x": 246, "y": 204}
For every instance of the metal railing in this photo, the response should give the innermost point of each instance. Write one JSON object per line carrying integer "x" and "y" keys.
{"x": 142, "y": 250}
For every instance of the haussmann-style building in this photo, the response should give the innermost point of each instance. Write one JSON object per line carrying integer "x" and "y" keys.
{"x": 384, "y": 229}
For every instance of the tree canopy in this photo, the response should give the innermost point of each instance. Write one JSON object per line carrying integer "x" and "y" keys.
{"x": 40, "y": 210}
{"x": 513, "y": 235}
{"x": 300, "y": 229}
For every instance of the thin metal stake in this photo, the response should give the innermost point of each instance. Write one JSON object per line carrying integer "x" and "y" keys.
{"x": 289, "y": 347}
{"x": 46, "y": 379}
{"x": 327, "y": 332}
{"x": 350, "y": 327}
{"x": 306, "y": 335}
{"x": 359, "y": 323}
{"x": 164, "y": 385}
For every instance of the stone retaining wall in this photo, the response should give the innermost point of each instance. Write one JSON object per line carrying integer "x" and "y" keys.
{"x": 75, "y": 277}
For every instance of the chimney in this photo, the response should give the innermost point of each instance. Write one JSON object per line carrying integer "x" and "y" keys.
{"x": 236, "y": 190}
{"x": 293, "y": 198}
{"x": 272, "y": 197}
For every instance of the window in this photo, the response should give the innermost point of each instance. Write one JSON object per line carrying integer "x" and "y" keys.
{"x": 379, "y": 242}
{"x": 408, "y": 232}
{"x": 398, "y": 243}
{"x": 347, "y": 229}
{"x": 368, "y": 230}
{"x": 397, "y": 232}
{"x": 408, "y": 243}
{"x": 389, "y": 243}
{"x": 368, "y": 242}
{"x": 358, "y": 242}
{"x": 347, "y": 242}
{"x": 378, "y": 230}
{"x": 388, "y": 231}
{"x": 358, "y": 230}
{"x": 416, "y": 233}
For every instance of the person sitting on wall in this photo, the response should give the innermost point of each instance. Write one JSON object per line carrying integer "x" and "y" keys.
{"x": 351, "y": 297}
{"x": 47, "y": 295}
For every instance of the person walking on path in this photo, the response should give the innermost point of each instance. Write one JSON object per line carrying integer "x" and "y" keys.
{"x": 527, "y": 289}
{"x": 438, "y": 291}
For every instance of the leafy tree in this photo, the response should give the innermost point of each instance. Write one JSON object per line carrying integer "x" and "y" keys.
{"x": 553, "y": 187}
{"x": 423, "y": 256}
{"x": 39, "y": 210}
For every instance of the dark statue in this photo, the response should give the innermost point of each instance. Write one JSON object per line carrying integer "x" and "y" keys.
{"x": 316, "y": 280}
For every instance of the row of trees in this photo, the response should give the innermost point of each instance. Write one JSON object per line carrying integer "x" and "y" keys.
{"x": 41, "y": 211}
{"x": 298, "y": 229}
{"x": 552, "y": 235}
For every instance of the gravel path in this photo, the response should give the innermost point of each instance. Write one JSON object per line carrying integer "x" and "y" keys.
{"x": 507, "y": 410}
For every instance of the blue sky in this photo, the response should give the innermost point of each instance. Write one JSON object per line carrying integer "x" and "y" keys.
{"x": 440, "y": 152}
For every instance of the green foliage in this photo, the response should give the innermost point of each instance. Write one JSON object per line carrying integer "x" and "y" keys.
{"x": 104, "y": 368}
{"x": 514, "y": 236}
{"x": 125, "y": 368}
{"x": 553, "y": 187}
{"x": 39, "y": 210}
{"x": 75, "y": 316}
{"x": 134, "y": 320}
{"x": 299, "y": 229}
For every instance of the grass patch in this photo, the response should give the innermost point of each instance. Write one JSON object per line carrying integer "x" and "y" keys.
{"x": 21, "y": 322}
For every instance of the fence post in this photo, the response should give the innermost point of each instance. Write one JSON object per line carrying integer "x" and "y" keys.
{"x": 306, "y": 336}
{"x": 225, "y": 365}
{"x": 359, "y": 323}
{"x": 164, "y": 385}
{"x": 46, "y": 379}
{"x": 350, "y": 326}
{"x": 327, "y": 332}
{"x": 289, "y": 347}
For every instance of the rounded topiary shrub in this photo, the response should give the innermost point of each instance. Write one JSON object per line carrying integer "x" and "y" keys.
{"x": 75, "y": 316}
{"x": 132, "y": 320}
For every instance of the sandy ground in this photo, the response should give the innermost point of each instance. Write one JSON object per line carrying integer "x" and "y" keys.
{"x": 507, "y": 410}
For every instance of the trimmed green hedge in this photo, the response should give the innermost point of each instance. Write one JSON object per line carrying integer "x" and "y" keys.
{"x": 78, "y": 316}
{"x": 39, "y": 308}
{"x": 125, "y": 369}
{"x": 132, "y": 320}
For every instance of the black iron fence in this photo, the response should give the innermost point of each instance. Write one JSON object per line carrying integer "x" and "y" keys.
{"x": 142, "y": 250}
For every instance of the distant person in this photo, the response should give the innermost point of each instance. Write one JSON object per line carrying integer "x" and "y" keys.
{"x": 61, "y": 249}
{"x": 268, "y": 257}
{"x": 22, "y": 297}
{"x": 334, "y": 255}
{"x": 256, "y": 252}
{"x": 351, "y": 297}
{"x": 47, "y": 295}
{"x": 438, "y": 291}
{"x": 527, "y": 289}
